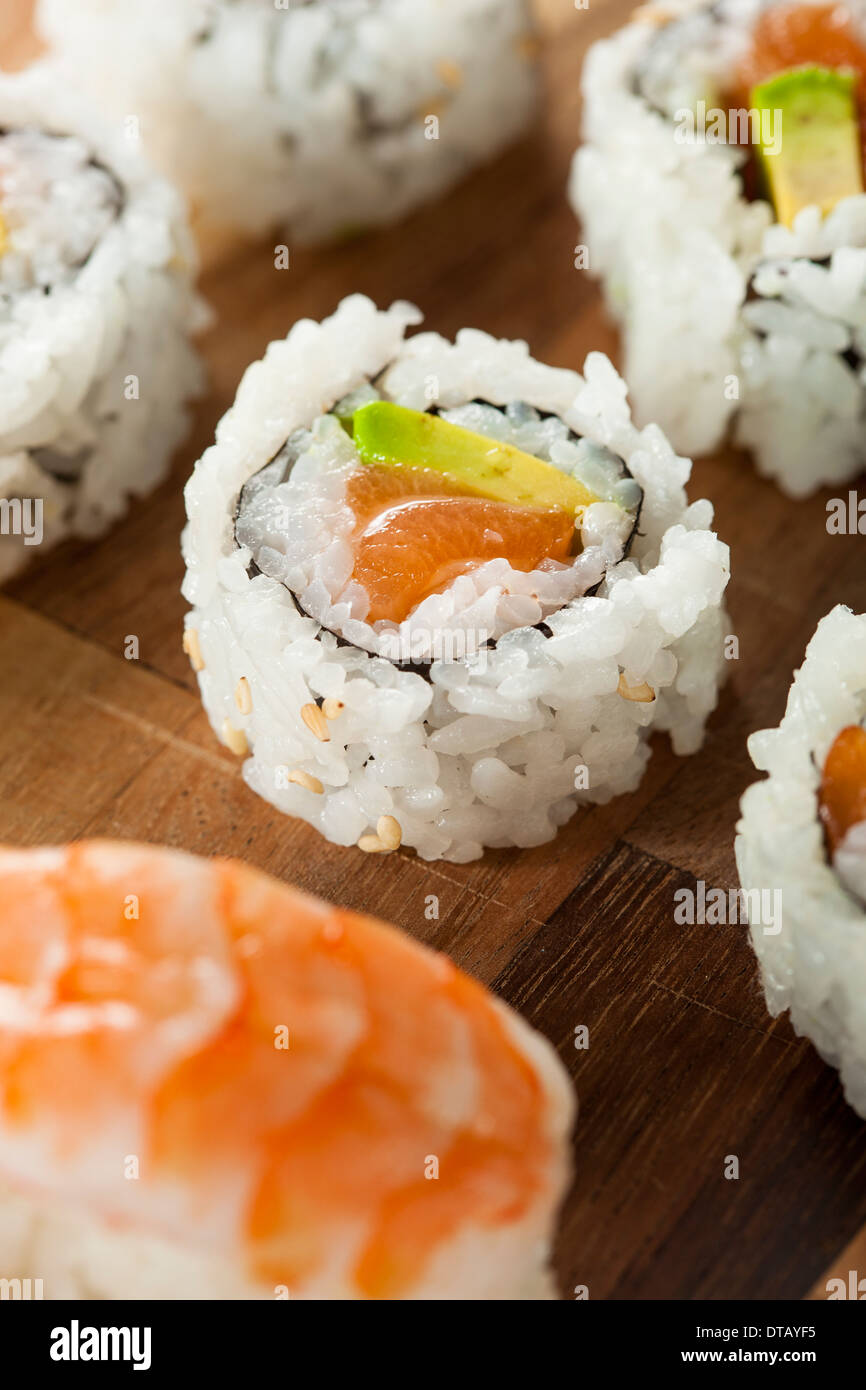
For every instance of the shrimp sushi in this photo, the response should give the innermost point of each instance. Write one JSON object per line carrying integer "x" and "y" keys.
{"x": 443, "y": 587}
{"x": 213, "y": 1086}
{"x": 329, "y": 115}
{"x": 96, "y": 311}
{"x": 802, "y": 837}
{"x": 721, "y": 192}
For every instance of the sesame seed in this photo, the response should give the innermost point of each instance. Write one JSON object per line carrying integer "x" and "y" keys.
{"x": 306, "y": 780}
{"x": 389, "y": 832}
{"x": 235, "y": 739}
{"x": 642, "y": 694}
{"x": 315, "y": 722}
{"x": 332, "y": 708}
{"x": 371, "y": 844}
{"x": 192, "y": 648}
{"x": 243, "y": 695}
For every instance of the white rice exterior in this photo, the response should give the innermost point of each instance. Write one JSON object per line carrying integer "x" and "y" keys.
{"x": 676, "y": 243}
{"x": 66, "y": 356}
{"x": 816, "y": 965}
{"x": 484, "y": 753}
{"x": 288, "y": 122}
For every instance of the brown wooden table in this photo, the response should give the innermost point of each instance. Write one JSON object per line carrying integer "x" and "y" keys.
{"x": 684, "y": 1066}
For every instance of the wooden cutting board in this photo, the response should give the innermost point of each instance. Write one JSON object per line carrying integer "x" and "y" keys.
{"x": 684, "y": 1066}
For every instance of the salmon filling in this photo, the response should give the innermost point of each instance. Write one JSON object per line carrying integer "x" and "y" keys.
{"x": 393, "y": 526}
{"x": 415, "y": 534}
{"x": 842, "y": 808}
{"x": 842, "y": 795}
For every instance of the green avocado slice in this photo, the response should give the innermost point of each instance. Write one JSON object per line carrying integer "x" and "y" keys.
{"x": 809, "y": 142}
{"x": 394, "y": 436}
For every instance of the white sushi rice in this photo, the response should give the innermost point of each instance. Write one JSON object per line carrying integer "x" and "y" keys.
{"x": 96, "y": 311}
{"x": 299, "y": 530}
{"x": 496, "y": 749}
{"x": 56, "y": 207}
{"x": 328, "y": 116}
{"x": 814, "y": 966}
{"x": 849, "y": 861}
{"x": 680, "y": 250}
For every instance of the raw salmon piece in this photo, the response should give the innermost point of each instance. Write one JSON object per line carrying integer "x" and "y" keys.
{"x": 372, "y": 489}
{"x": 416, "y": 533}
{"x": 842, "y": 794}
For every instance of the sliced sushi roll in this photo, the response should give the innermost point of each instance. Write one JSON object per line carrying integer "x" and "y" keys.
{"x": 801, "y": 851}
{"x": 721, "y": 191}
{"x": 212, "y": 1086}
{"x": 329, "y": 115}
{"x": 96, "y": 311}
{"x": 443, "y": 593}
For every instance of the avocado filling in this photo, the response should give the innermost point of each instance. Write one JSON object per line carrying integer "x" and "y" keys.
{"x": 819, "y": 160}
{"x": 792, "y": 85}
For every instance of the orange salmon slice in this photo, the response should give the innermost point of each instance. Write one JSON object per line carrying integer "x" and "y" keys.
{"x": 416, "y": 532}
{"x": 842, "y": 795}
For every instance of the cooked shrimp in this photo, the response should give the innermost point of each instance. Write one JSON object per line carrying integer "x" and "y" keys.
{"x": 193, "y": 1051}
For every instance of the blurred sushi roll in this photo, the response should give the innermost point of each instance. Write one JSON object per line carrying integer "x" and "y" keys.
{"x": 324, "y": 116}
{"x": 443, "y": 593}
{"x": 215, "y": 1087}
{"x": 721, "y": 192}
{"x": 96, "y": 310}
{"x": 802, "y": 841}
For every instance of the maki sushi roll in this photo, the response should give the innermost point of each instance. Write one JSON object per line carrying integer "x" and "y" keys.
{"x": 329, "y": 115}
{"x": 96, "y": 310}
{"x": 721, "y": 190}
{"x": 802, "y": 838}
{"x": 443, "y": 593}
{"x": 214, "y": 1087}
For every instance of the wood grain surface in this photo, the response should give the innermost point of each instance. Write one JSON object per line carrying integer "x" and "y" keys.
{"x": 684, "y": 1067}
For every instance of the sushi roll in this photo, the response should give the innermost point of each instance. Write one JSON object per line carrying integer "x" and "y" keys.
{"x": 214, "y": 1087}
{"x": 801, "y": 851}
{"x": 329, "y": 115}
{"x": 96, "y": 310}
{"x": 442, "y": 593}
{"x": 721, "y": 192}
